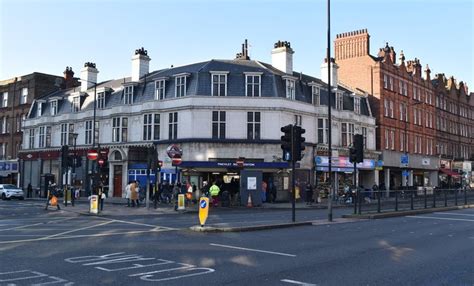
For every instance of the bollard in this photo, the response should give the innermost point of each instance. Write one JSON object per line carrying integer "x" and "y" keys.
{"x": 465, "y": 196}
{"x": 456, "y": 197}
{"x": 411, "y": 199}
{"x": 359, "y": 197}
{"x": 434, "y": 198}
{"x": 396, "y": 201}
{"x": 426, "y": 202}
{"x": 378, "y": 201}
{"x": 445, "y": 199}
{"x": 355, "y": 197}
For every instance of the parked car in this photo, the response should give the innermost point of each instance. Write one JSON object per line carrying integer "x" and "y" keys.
{"x": 8, "y": 191}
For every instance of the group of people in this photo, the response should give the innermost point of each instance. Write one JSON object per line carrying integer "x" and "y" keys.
{"x": 132, "y": 194}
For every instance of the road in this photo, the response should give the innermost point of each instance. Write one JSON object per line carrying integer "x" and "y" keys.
{"x": 64, "y": 248}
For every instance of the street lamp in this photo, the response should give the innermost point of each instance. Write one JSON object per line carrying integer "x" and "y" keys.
{"x": 94, "y": 122}
{"x": 74, "y": 136}
{"x": 405, "y": 138}
{"x": 331, "y": 186}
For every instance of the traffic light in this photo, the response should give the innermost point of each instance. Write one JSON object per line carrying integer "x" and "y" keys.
{"x": 153, "y": 161}
{"x": 286, "y": 142}
{"x": 64, "y": 156}
{"x": 359, "y": 148}
{"x": 352, "y": 155}
{"x": 298, "y": 143}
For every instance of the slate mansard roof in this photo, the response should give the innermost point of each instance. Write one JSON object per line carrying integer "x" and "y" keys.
{"x": 198, "y": 83}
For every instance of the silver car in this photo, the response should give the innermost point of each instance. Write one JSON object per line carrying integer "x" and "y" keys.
{"x": 10, "y": 191}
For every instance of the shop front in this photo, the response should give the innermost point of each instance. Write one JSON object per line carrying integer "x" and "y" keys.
{"x": 344, "y": 172}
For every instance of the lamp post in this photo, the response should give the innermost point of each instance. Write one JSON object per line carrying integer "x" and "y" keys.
{"x": 74, "y": 162}
{"x": 94, "y": 163}
{"x": 330, "y": 195}
{"x": 405, "y": 139}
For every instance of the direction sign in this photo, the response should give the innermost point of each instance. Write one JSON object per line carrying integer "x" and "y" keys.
{"x": 203, "y": 210}
{"x": 404, "y": 159}
{"x": 92, "y": 155}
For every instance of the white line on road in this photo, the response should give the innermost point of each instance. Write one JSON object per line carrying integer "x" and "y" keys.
{"x": 250, "y": 249}
{"x": 297, "y": 282}
{"x": 19, "y": 227}
{"x": 440, "y": 218}
{"x": 461, "y": 214}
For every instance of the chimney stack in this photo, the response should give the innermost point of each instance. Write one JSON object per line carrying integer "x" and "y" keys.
{"x": 140, "y": 64}
{"x": 282, "y": 57}
{"x": 324, "y": 72}
{"x": 244, "y": 55}
{"x": 68, "y": 78}
{"x": 88, "y": 76}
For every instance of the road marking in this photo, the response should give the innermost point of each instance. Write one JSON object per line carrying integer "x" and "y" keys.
{"x": 138, "y": 223}
{"x": 75, "y": 230}
{"x": 297, "y": 282}
{"x": 37, "y": 277}
{"x": 440, "y": 218}
{"x": 20, "y": 227}
{"x": 255, "y": 250}
{"x": 455, "y": 214}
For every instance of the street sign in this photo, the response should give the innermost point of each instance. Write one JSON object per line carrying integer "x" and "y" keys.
{"x": 101, "y": 162}
{"x": 203, "y": 210}
{"x": 174, "y": 151}
{"x": 176, "y": 161}
{"x": 92, "y": 155}
{"x": 405, "y": 173}
{"x": 404, "y": 159}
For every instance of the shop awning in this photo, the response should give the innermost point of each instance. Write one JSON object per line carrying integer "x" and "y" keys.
{"x": 450, "y": 173}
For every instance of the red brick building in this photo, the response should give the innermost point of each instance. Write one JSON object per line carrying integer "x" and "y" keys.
{"x": 455, "y": 129}
{"x": 16, "y": 96}
{"x": 403, "y": 102}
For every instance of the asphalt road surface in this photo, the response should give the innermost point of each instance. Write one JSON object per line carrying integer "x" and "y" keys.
{"x": 64, "y": 248}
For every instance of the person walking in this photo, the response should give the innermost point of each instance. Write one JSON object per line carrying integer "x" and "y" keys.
{"x": 214, "y": 192}
{"x": 175, "y": 193}
{"x": 309, "y": 194}
{"x": 29, "y": 191}
{"x": 133, "y": 193}
{"x": 273, "y": 193}
{"x": 264, "y": 191}
{"x": 52, "y": 197}
{"x": 128, "y": 193}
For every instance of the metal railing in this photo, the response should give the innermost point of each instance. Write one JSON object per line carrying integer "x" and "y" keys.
{"x": 366, "y": 202}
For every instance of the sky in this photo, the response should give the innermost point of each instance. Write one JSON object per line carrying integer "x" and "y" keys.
{"x": 48, "y": 35}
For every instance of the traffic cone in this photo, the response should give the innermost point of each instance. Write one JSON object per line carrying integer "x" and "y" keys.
{"x": 249, "y": 201}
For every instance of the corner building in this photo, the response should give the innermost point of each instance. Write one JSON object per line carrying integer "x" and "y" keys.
{"x": 403, "y": 102}
{"x": 217, "y": 111}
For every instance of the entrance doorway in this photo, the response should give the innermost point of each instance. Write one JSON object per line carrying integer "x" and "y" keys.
{"x": 117, "y": 181}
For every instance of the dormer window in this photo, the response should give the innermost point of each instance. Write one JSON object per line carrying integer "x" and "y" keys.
{"x": 24, "y": 95}
{"x": 76, "y": 104}
{"x": 180, "y": 86}
{"x": 339, "y": 101}
{"x": 128, "y": 94}
{"x": 39, "y": 110}
{"x": 219, "y": 83}
{"x": 316, "y": 95}
{"x": 290, "y": 84}
{"x": 54, "y": 107}
{"x": 160, "y": 89}
{"x": 356, "y": 104}
{"x": 253, "y": 86}
{"x": 101, "y": 100}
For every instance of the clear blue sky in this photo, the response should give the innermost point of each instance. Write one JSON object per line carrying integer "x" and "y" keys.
{"x": 48, "y": 35}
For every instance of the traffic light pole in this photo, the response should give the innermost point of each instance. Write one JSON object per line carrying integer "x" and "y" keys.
{"x": 293, "y": 174}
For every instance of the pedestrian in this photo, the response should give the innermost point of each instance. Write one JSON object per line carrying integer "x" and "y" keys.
{"x": 133, "y": 193}
{"x": 264, "y": 191}
{"x": 29, "y": 191}
{"x": 176, "y": 190}
{"x": 214, "y": 192}
{"x": 137, "y": 191}
{"x": 309, "y": 194}
{"x": 102, "y": 197}
{"x": 273, "y": 193}
{"x": 128, "y": 193}
{"x": 52, "y": 197}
